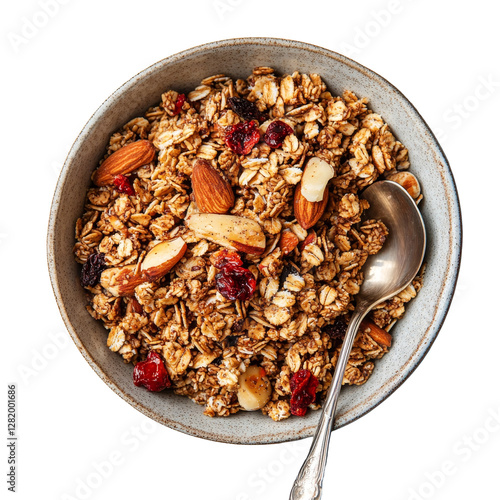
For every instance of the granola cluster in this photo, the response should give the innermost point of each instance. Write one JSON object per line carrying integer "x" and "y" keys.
{"x": 304, "y": 291}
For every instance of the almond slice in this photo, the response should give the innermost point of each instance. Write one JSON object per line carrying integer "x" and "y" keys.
{"x": 288, "y": 241}
{"x": 230, "y": 231}
{"x": 125, "y": 160}
{"x": 316, "y": 175}
{"x": 162, "y": 258}
{"x": 121, "y": 281}
{"x": 212, "y": 193}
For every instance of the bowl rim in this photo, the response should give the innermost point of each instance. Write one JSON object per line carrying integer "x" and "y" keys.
{"x": 446, "y": 296}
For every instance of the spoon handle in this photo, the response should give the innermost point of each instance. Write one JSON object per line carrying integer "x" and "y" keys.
{"x": 308, "y": 485}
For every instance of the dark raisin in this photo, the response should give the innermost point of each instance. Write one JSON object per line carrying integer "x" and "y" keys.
{"x": 237, "y": 325}
{"x": 235, "y": 282}
{"x": 92, "y": 270}
{"x": 246, "y": 109}
{"x": 242, "y": 137}
{"x": 288, "y": 269}
{"x": 276, "y": 133}
{"x": 337, "y": 329}
{"x": 217, "y": 361}
{"x": 232, "y": 340}
{"x": 151, "y": 373}
{"x": 123, "y": 185}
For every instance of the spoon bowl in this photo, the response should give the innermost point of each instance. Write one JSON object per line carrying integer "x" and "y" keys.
{"x": 393, "y": 268}
{"x": 387, "y": 273}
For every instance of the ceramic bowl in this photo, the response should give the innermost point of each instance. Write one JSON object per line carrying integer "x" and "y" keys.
{"x": 413, "y": 335}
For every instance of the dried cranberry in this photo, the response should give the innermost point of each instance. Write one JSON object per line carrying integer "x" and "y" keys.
{"x": 151, "y": 373}
{"x": 276, "y": 133}
{"x": 337, "y": 329}
{"x": 242, "y": 137}
{"x": 123, "y": 185}
{"x": 92, "y": 270}
{"x": 235, "y": 282}
{"x": 225, "y": 257}
{"x": 181, "y": 99}
{"x": 303, "y": 385}
{"x": 246, "y": 109}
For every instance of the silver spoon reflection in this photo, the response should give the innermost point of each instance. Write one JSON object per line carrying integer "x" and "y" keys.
{"x": 386, "y": 274}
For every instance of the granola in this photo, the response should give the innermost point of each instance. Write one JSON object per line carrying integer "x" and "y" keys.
{"x": 305, "y": 278}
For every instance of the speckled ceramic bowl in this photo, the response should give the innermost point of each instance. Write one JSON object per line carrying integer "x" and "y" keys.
{"x": 413, "y": 336}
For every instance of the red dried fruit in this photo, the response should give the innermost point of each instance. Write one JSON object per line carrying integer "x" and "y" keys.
{"x": 181, "y": 99}
{"x": 276, "y": 133}
{"x": 246, "y": 109}
{"x": 92, "y": 270}
{"x": 123, "y": 185}
{"x": 303, "y": 385}
{"x": 225, "y": 257}
{"x": 235, "y": 282}
{"x": 151, "y": 373}
{"x": 241, "y": 138}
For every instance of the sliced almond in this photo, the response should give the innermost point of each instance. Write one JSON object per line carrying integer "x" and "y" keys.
{"x": 162, "y": 258}
{"x": 379, "y": 335}
{"x": 307, "y": 212}
{"x": 310, "y": 240}
{"x": 121, "y": 281}
{"x": 288, "y": 241}
{"x": 125, "y": 160}
{"x": 255, "y": 388}
{"x": 212, "y": 193}
{"x": 230, "y": 231}
{"x": 316, "y": 175}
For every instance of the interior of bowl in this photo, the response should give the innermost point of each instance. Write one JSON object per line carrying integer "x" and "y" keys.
{"x": 412, "y": 336}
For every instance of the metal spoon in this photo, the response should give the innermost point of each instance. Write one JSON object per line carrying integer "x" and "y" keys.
{"x": 386, "y": 274}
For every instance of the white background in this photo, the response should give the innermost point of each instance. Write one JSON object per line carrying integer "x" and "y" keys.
{"x": 439, "y": 54}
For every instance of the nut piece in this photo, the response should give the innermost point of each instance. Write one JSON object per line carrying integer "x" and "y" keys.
{"x": 125, "y": 160}
{"x": 255, "y": 388}
{"x": 161, "y": 258}
{"x": 288, "y": 241}
{"x": 379, "y": 335}
{"x": 230, "y": 231}
{"x": 212, "y": 193}
{"x": 408, "y": 181}
{"x": 121, "y": 281}
{"x": 316, "y": 175}
{"x": 307, "y": 212}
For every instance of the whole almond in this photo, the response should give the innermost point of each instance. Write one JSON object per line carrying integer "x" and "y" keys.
{"x": 306, "y": 212}
{"x": 212, "y": 193}
{"x": 379, "y": 335}
{"x": 125, "y": 160}
{"x": 288, "y": 241}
